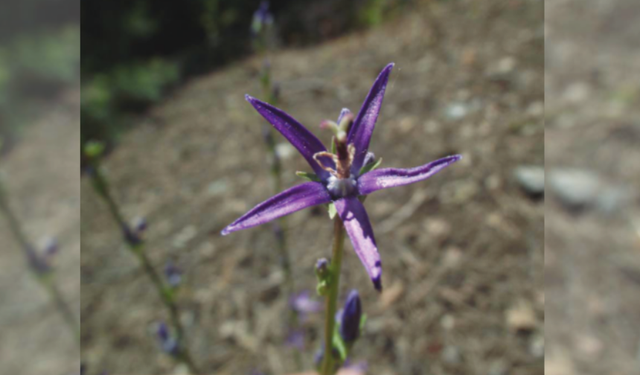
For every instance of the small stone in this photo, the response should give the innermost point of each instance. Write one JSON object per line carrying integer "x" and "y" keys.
{"x": 521, "y": 317}
{"x": 531, "y": 179}
{"x": 575, "y": 188}
{"x": 448, "y": 322}
{"x": 451, "y": 355}
{"x": 456, "y": 111}
{"x": 506, "y": 65}
{"x": 437, "y": 229}
{"x": 452, "y": 257}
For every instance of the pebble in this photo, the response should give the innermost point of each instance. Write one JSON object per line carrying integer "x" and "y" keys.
{"x": 531, "y": 179}
{"x": 575, "y": 188}
{"x": 579, "y": 189}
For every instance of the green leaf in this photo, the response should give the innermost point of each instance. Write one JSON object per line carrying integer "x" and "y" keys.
{"x": 369, "y": 167}
{"x": 332, "y": 210}
{"x": 308, "y": 176}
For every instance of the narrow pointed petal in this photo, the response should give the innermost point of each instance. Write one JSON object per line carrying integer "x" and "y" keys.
{"x": 356, "y": 222}
{"x": 301, "y": 138}
{"x": 289, "y": 201}
{"x": 362, "y": 128}
{"x": 391, "y": 177}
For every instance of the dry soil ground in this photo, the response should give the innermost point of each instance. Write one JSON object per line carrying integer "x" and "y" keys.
{"x": 592, "y": 139}
{"x": 462, "y": 253}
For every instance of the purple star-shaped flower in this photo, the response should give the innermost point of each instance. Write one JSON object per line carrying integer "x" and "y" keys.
{"x": 340, "y": 177}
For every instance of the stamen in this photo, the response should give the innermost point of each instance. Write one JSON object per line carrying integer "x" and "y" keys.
{"x": 322, "y": 155}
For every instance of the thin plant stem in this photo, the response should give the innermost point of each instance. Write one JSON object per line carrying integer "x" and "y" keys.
{"x": 45, "y": 279}
{"x": 327, "y": 367}
{"x": 165, "y": 293}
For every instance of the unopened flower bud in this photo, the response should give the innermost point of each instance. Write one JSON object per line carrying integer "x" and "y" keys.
{"x": 350, "y": 318}
{"x": 172, "y": 274}
{"x": 130, "y": 236}
{"x": 50, "y": 246}
{"x": 168, "y": 343}
{"x": 322, "y": 268}
{"x": 140, "y": 224}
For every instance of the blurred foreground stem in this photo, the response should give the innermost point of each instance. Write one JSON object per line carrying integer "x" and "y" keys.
{"x": 136, "y": 246}
{"x": 327, "y": 367}
{"x": 43, "y": 276}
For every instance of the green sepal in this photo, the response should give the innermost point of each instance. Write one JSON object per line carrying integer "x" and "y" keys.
{"x": 369, "y": 167}
{"x": 333, "y": 145}
{"x": 339, "y": 344}
{"x": 331, "y": 207}
{"x": 308, "y": 176}
{"x": 363, "y": 320}
{"x": 322, "y": 288}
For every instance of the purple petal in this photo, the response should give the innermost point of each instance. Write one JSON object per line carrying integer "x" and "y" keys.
{"x": 362, "y": 128}
{"x": 289, "y": 201}
{"x": 391, "y": 177}
{"x": 301, "y": 138}
{"x": 356, "y": 222}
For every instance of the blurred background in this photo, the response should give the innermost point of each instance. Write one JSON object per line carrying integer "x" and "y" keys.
{"x": 39, "y": 192}
{"x": 164, "y": 84}
{"x": 592, "y": 224}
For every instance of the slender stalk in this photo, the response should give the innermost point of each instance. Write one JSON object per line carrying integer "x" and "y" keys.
{"x": 137, "y": 248}
{"x": 44, "y": 278}
{"x": 327, "y": 367}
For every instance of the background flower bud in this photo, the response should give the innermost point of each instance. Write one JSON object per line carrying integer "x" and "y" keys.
{"x": 350, "y": 318}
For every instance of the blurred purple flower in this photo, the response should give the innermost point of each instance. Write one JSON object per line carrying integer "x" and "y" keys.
{"x": 261, "y": 18}
{"x": 168, "y": 343}
{"x": 303, "y": 304}
{"x": 350, "y": 318}
{"x": 339, "y": 178}
{"x": 173, "y": 274}
{"x": 295, "y": 339}
{"x": 50, "y": 246}
{"x": 140, "y": 224}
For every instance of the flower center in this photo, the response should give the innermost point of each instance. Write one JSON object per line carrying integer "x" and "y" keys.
{"x": 341, "y": 187}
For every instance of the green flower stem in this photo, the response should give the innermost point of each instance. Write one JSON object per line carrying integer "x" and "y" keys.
{"x": 46, "y": 280}
{"x": 327, "y": 367}
{"x": 165, "y": 292}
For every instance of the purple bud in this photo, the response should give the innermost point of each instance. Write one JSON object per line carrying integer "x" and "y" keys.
{"x": 295, "y": 339}
{"x": 369, "y": 158}
{"x": 130, "y": 236}
{"x": 139, "y": 224}
{"x": 36, "y": 262}
{"x": 168, "y": 343}
{"x": 322, "y": 267}
{"x": 173, "y": 274}
{"x": 50, "y": 246}
{"x": 350, "y": 318}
